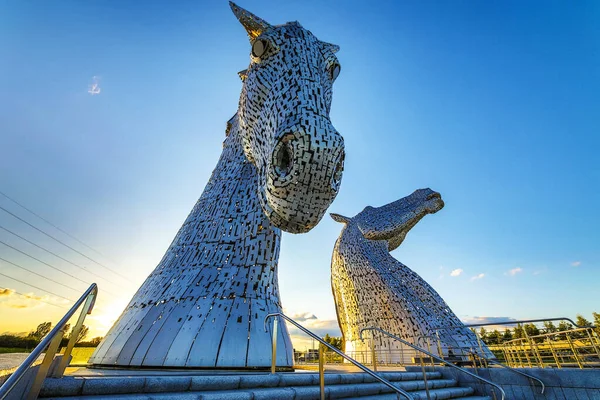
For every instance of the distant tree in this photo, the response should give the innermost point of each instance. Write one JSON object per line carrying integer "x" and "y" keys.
{"x": 334, "y": 341}
{"x": 96, "y": 341}
{"x": 507, "y": 335}
{"x": 42, "y": 330}
{"x": 581, "y": 321}
{"x": 531, "y": 329}
{"x": 550, "y": 327}
{"x": 597, "y": 321}
{"x": 519, "y": 333}
{"x": 494, "y": 337}
{"x": 82, "y": 333}
{"x": 483, "y": 334}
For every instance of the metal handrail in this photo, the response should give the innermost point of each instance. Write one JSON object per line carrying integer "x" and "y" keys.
{"x": 557, "y": 333}
{"x": 52, "y": 341}
{"x": 434, "y": 357}
{"x": 491, "y": 361}
{"x": 516, "y": 322}
{"x": 324, "y": 343}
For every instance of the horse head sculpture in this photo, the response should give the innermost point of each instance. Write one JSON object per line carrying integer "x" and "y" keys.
{"x": 283, "y": 121}
{"x": 372, "y": 288}
{"x": 393, "y": 221}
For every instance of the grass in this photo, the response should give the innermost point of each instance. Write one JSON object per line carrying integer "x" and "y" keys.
{"x": 81, "y": 355}
{"x": 5, "y": 350}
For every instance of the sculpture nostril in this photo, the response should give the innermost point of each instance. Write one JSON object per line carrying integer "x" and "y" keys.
{"x": 336, "y": 180}
{"x": 283, "y": 158}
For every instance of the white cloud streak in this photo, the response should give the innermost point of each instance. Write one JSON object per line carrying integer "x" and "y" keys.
{"x": 456, "y": 272}
{"x": 477, "y": 277}
{"x": 576, "y": 263}
{"x": 514, "y": 271}
{"x": 94, "y": 87}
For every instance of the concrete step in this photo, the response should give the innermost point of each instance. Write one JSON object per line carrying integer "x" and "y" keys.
{"x": 391, "y": 396}
{"x": 296, "y": 386}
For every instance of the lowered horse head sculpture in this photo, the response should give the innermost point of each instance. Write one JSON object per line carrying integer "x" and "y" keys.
{"x": 393, "y": 221}
{"x": 373, "y": 289}
{"x": 205, "y": 303}
{"x": 284, "y": 124}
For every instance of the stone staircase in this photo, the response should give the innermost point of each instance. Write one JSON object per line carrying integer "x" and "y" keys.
{"x": 250, "y": 386}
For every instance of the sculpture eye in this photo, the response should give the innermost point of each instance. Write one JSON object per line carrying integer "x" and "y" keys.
{"x": 334, "y": 70}
{"x": 259, "y": 47}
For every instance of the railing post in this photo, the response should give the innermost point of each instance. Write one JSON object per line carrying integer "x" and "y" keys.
{"x": 534, "y": 350}
{"x": 424, "y": 377}
{"x": 274, "y": 346}
{"x": 321, "y": 371}
{"x": 574, "y": 351}
{"x": 549, "y": 341}
{"x": 373, "y": 356}
{"x": 60, "y": 370}
{"x": 43, "y": 369}
{"x": 592, "y": 341}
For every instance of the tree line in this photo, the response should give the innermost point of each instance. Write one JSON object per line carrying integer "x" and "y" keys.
{"x": 528, "y": 330}
{"x": 35, "y": 337}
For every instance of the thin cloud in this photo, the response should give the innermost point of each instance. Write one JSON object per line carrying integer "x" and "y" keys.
{"x": 489, "y": 320}
{"x": 575, "y": 263}
{"x": 301, "y": 317}
{"x": 514, "y": 271}
{"x": 476, "y": 277}
{"x": 94, "y": 87}
{"x": 6, "y": 292}
{"x": 456, "y": 272}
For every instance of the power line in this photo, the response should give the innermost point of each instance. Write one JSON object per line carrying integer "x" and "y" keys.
{"x": 38, "y": 288}
{"x": 42, "y": 276}
{"x": 50, "y": 265}
{"x": 29, "y": 297}
{"x": 64, "y": 244}
{"x": 57, "y": 228}
{"x": 45, "y": 263}
{"x": 56, "y": 255}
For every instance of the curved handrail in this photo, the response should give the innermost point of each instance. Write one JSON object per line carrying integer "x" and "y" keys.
{"x": 433, "y": 356}
{"x": 353, "y": 361}
{"x": 491, "y": 361}
{"x": 522, "y": 321}
{"x": 39, "y": 349}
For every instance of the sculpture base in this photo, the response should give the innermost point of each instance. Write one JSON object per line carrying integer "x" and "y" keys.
{"x": 163, "y": 368}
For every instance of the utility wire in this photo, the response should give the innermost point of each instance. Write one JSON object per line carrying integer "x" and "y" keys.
{"x": 29, "y": 297}
{"x": 45, "y": 263}
{"x": 42, "y": 276}
{"x": 57, "y": 228}
{"x": 62, "y": 258}
{"x": 64, "y": 244}
{"x": 38, "y": 288}
{"x": 50, "y": 265}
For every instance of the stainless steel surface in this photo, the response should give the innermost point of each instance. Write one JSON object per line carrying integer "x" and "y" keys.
{"x": 398, "y": 390}
{"x": 372, "y": 288}
{"x": 280, "y": 168}
{"x": 51, "y": 343}
{"x": 439, "y": 359}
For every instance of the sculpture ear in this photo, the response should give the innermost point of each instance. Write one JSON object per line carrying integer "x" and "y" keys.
{"x": 339, "y": 218}
{"x": 253, "y": 24}
{"x": 334, "y": 48}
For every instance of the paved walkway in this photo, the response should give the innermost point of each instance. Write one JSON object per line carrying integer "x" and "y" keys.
{"x": 11, "y": 360}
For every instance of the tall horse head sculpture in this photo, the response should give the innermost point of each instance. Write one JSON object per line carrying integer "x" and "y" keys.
{"x": 372, "y": 288}
{"x": 284, "y": 121}
{"x": 205, "y": 303}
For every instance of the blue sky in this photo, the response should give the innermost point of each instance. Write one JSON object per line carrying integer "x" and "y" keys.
{"x": 493, "y": 104}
